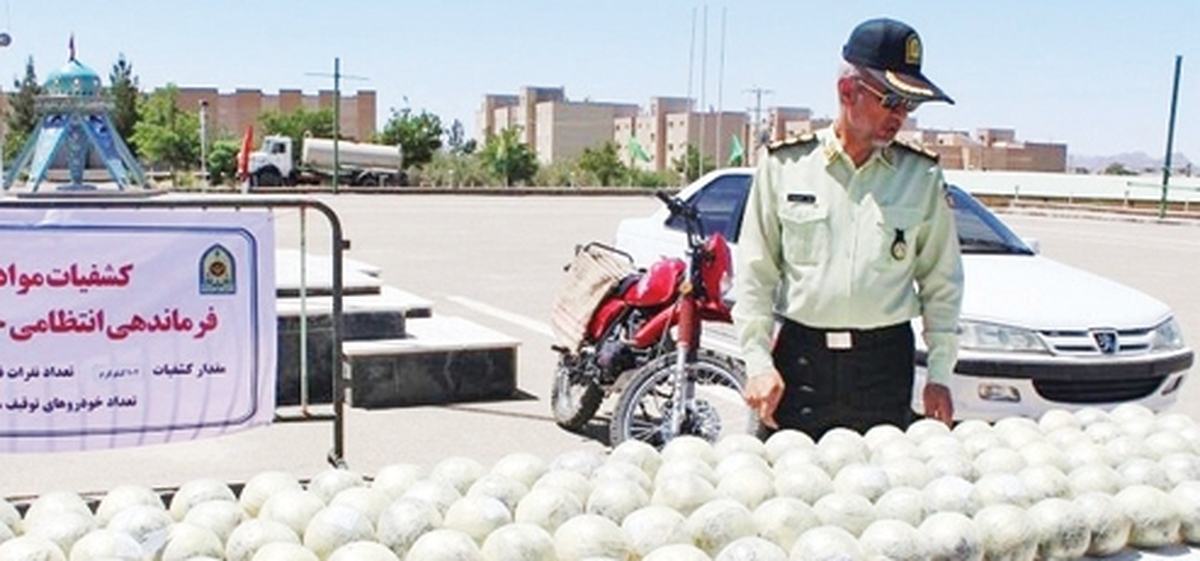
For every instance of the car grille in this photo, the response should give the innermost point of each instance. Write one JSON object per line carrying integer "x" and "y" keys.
{"x": 1097, "y": 391}
{"x": 1083, "y": 343}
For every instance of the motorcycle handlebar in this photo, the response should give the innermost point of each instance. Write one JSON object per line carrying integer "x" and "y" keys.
{"x": 676, "y": 206}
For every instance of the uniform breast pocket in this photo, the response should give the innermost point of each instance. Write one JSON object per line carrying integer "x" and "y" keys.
{"x": 897, "y": 237}
{"x": 805, "y": 233}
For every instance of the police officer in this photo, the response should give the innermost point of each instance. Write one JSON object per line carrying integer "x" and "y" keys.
{"x": 847, "y": 235}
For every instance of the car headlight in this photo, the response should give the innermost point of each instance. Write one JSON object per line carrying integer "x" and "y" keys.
{"x": 981, "y": 336}
{"x": 1166, "y": 337}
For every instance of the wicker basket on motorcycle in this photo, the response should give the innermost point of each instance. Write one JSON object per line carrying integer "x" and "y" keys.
{"x": 595, "y": 270}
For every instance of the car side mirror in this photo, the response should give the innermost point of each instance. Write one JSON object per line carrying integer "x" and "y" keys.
{"x": 1034, "y": 244}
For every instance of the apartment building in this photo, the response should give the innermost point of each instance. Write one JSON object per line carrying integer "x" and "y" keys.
{"x": 655, "y": 138}
{"x": 992, "y": 149}
{"x": 229, "y": 114}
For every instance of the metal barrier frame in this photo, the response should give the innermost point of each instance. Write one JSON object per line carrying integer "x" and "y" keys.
{"x": 337, "y": 454}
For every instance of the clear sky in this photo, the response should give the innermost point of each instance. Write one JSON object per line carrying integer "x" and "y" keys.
{"x": 1093, "y": 74}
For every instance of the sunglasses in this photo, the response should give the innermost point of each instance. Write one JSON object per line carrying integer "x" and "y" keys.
{"x": 891, "y": 100}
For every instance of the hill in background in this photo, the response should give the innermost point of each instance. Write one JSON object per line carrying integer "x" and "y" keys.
{"x": 1138, "y": 162}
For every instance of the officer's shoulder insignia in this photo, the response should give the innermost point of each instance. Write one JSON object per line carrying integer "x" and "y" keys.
{"x": 805, "y": 139}
{"x": 917, "y": 149}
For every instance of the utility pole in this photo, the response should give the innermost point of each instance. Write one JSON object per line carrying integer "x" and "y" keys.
{"x": 204, "y": 143}
{"x": 758, "y": 95}
{"x": 337, "y": 113}
{"x": 1162, "y": 206}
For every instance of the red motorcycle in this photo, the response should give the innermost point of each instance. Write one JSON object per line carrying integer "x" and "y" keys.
{"x": 637, "y": 333}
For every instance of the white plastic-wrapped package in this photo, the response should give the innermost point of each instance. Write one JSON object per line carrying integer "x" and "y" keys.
{"x": 591, "y": 535}
{"x": 862, "y": 479}
{"x": 951, "y": 536}
{"x": 845, "y": 510}
{"x": 652, "y": 527}
{"x": 893, "y": 540}
{"x": 902, "y": 503}
{"x": 615, "y": 499}
{"x": 548, "y": 506}
{"x": 1154, "y": 516}
{"x": 522, "y": 467}
{"x": 782, "y": 519}
{"x": 458, "y": 472}
{"x": 1186, "y": 496}
{"x": 717, "y": 523}
{"x": 1108, "y": 524}
{"x": 949, "y": 493}
{"x": 1006, "y": 533}
{"x": 405, "y": 520}
{"x": 827, "y": 543}
{"x": 752, "y": 548}
{"x": 787, "y": 440}
{"x": 476, "y": 516}
{"x": 518, "y": 542}
{"x": 500, "y": 487}
{"x": 1063, "y": 531}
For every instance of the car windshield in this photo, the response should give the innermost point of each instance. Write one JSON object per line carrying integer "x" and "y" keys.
{"x": 979, "y": 231}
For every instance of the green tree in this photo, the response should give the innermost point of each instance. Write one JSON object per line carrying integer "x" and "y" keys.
{"x": 690, "y": 166}
{"x": 22, "y": 114}
{"x": 1117, "y": 168}
{"x": 222, "y": 161}
{"x": 124, "y": 93}
{"x": 511, "y": 160}
{"x": 419, "y": 135}
{"x": 559, "y": 173}
{"x": 167, "y": 136}
{"x": 603, "y": 164}
{"x": 457, "y": 141}
{"x": 297, "y": 124}
{"x": 448, "y": 169}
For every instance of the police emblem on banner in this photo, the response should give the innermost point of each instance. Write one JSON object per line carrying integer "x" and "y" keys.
{"x": 218, "y": 271}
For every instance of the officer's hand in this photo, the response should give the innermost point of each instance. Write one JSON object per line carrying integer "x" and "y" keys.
{"x": 763, "y": 392}
{"x": 938, "y": 403}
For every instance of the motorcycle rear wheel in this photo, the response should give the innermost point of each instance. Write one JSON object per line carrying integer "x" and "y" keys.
{"x": 644, "y": 409}
{"x": 573, "y": 401}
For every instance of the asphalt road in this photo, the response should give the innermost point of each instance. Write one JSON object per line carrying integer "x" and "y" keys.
{"x": 498, "y": 261}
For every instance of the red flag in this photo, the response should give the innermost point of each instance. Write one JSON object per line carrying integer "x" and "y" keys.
{"x": 243, "y": 158}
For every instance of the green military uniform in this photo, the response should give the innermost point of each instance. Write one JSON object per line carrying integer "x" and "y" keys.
{"x": 837, "y": 248}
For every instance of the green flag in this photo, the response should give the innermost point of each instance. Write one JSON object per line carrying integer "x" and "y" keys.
{"x": 737, "y": 152}
{"x": 635, "y": 149}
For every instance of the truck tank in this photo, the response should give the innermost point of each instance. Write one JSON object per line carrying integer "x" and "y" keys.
{"x": 318, "y": 152}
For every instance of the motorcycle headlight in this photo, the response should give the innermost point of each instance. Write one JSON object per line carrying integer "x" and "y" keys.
{"x": 981, "y": 336}
{"x": 1166, "y": 337}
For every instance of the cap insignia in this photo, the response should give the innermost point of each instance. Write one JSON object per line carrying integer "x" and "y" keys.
{"x": 912, "y": 50}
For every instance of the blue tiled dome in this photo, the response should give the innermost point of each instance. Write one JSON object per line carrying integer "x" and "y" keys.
{"x": 74, "y": 79}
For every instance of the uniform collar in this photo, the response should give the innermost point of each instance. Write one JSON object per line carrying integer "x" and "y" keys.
{"x": 833, "y": 150}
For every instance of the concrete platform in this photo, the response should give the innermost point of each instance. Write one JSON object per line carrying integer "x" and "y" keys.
{"x": 442, "y": 360}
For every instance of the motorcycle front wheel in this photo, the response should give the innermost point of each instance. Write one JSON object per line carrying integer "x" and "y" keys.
{"x": 573, "y": 398}
{"x": 645, "y": 409}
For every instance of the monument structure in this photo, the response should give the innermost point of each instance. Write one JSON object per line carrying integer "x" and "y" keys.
{"x": 75, "y": 149}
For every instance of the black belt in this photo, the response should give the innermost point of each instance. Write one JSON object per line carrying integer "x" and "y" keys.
{"x": 846, "y": 339}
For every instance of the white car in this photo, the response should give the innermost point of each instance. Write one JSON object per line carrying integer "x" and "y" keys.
{"x": 1077, "y": 340}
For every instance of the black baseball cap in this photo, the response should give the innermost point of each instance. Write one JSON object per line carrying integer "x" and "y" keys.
{"x": 891, "y": 51}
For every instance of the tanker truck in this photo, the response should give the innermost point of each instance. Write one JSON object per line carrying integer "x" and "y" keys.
{"x": 359, "y": 164}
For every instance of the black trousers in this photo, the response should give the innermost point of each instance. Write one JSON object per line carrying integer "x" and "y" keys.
{"x": 867, "y": 384}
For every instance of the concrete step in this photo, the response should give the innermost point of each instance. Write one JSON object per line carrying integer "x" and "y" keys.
{"x": 365, "y": 317}
{"x": 443, "y": 359}
{"x": 357, "y": 277}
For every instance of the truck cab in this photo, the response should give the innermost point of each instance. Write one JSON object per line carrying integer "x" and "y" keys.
{"x": 272, "y": 165}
